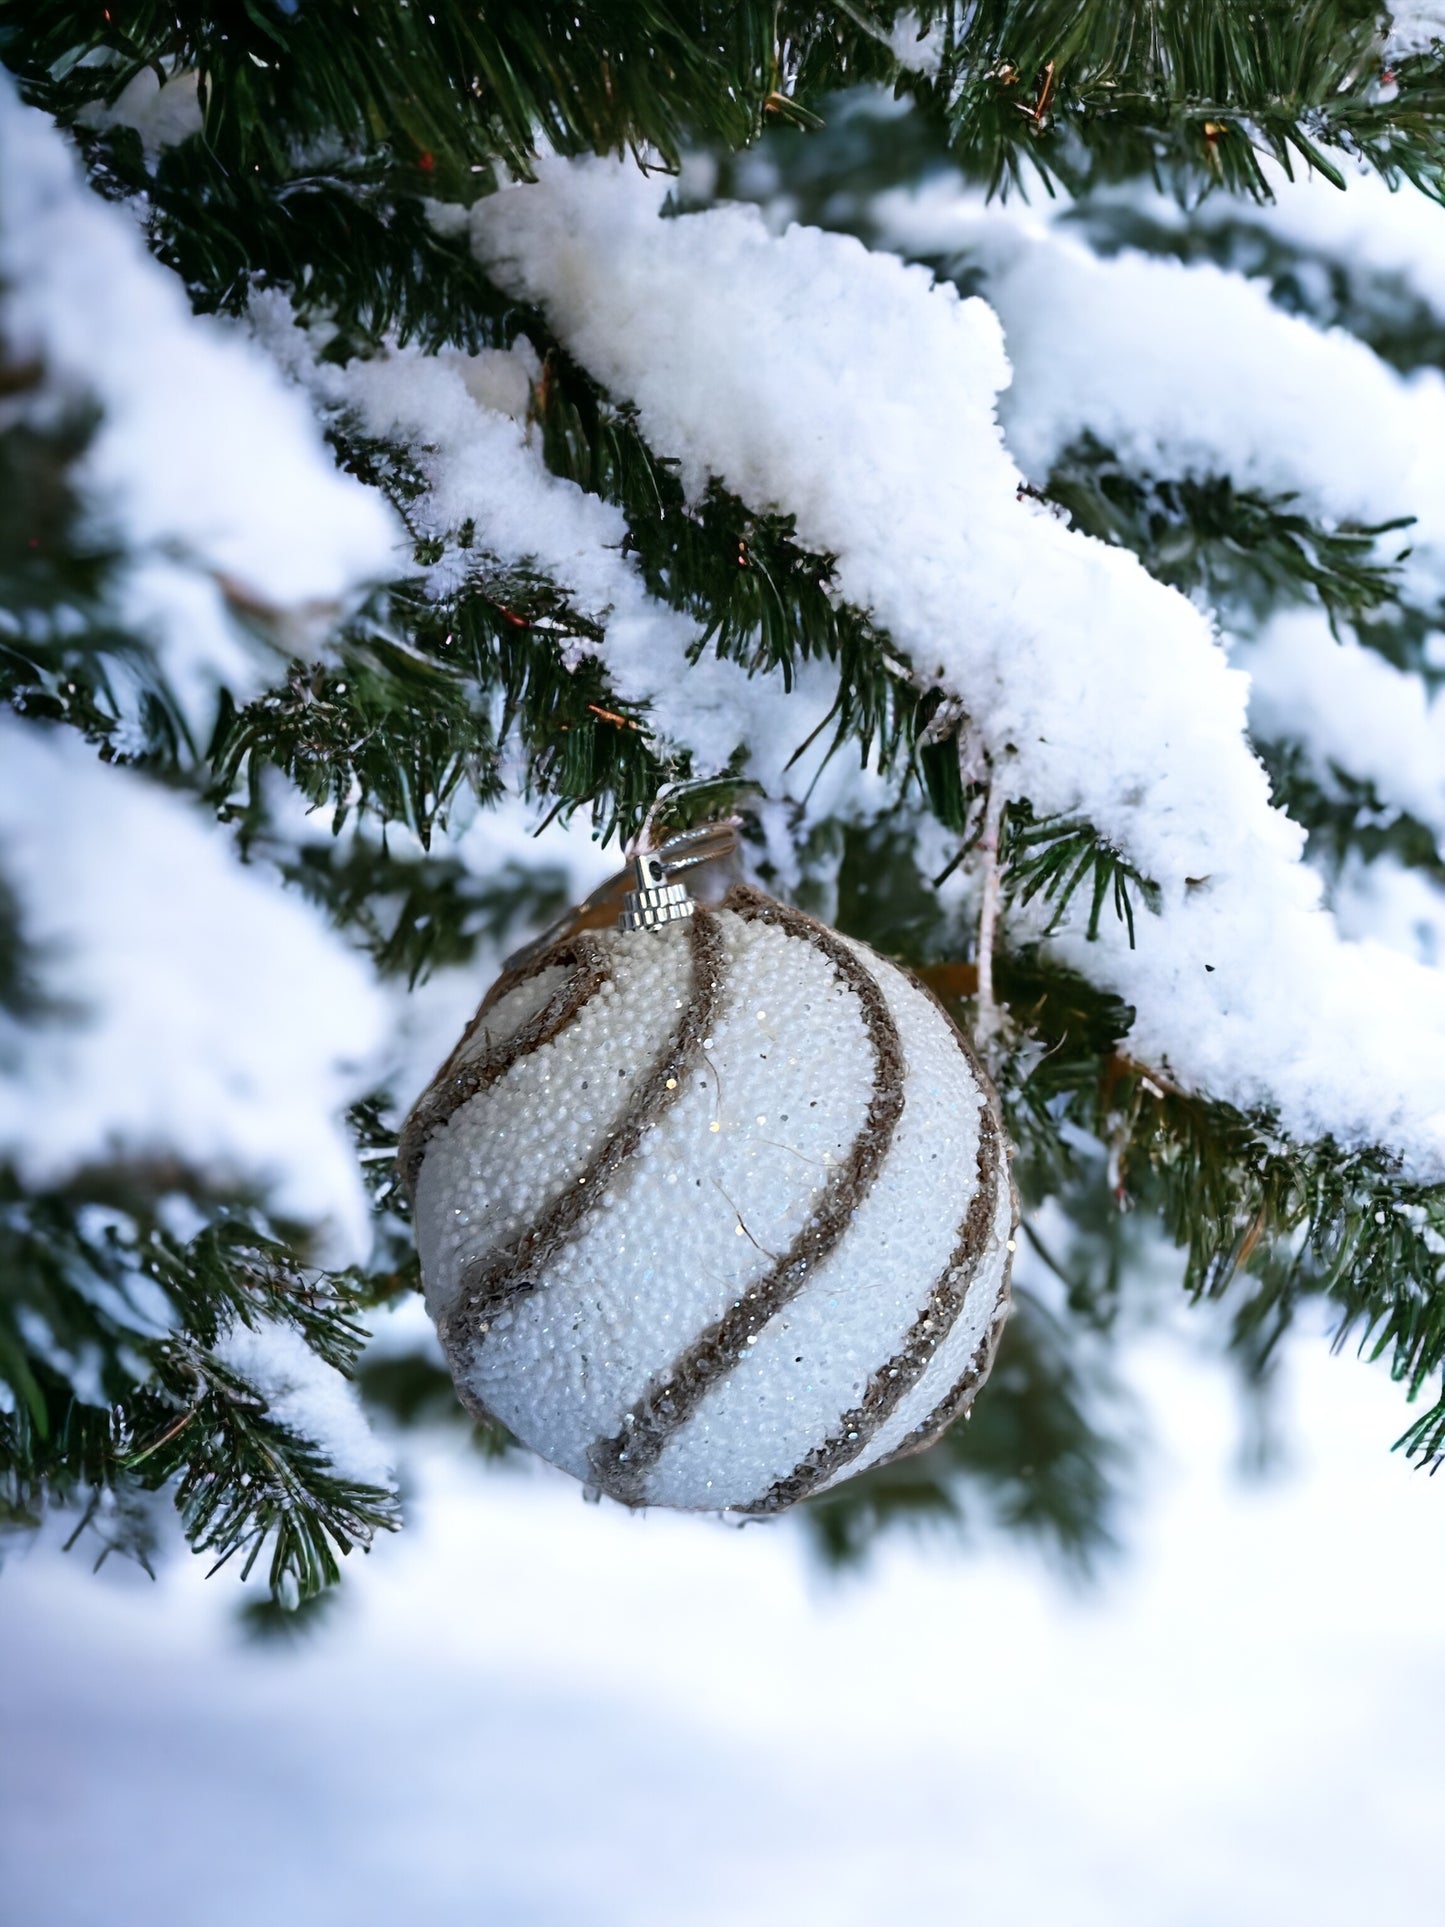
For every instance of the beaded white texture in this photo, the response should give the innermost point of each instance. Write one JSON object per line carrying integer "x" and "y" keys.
{"x": 759, "y": 1125}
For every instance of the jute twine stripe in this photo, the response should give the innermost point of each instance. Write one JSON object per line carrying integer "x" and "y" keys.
{"x": 503, "y": 1276}
{"x": 459, "y": 1081}
{"x": 621, "y": 1464}
{"x": 960, "y": 1396}
{"x": 891, "y": 1383}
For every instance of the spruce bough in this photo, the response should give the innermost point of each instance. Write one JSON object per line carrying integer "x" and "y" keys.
{"x": 324, "y": 148}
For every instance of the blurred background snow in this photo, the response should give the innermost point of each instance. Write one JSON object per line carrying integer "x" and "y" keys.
{"x": 528, "y": 1709}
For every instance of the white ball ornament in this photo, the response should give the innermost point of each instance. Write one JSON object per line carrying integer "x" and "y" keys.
{"x": 714, "y": 1211}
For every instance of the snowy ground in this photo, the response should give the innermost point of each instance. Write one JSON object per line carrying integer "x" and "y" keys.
{"x": 533, "y": 1711}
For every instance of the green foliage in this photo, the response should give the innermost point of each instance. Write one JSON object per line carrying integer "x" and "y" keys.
{"x": 63, "y": 655}
{"x": 323, "y": 144}
{"x": 1053, "y": 858}
{"x": 1257, "y": 1215}
{"x": 1189, "y": 94}
{"x": 448, "y": 94}
{"x": 758, "y": 597}
{"x": 1229, "y": 545}
{"x": 1239, "y": 550}
{"x": 1260, "y": 1219}
{"x": 348, "y": 241}
{"x": 383, "y": 732}
{"x": 111, "y": 1327}
{"x": 417, "y": 914}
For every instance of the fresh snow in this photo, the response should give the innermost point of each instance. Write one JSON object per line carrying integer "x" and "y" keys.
{"x": 163, "y": 113}
{"x": 844, "y": 387}
{"x": 1416, "y": 27}
{"x": 201, "y": 1016}
{"x": 1351, "y": 709}
{"x": 464, "y": 417}
{"x": 307, "y": 1396}
{"x": 1399, "y": 907}
{"x": 1097, "y": 346}
{"x": 918, "y": 50}
{"x": 1369, "y": 231}
{"x": 204, "y": 462}
{"x": 524, "y": 1709}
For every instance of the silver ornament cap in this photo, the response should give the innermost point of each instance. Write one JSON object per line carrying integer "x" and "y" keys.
{"x": 655, "y": 901}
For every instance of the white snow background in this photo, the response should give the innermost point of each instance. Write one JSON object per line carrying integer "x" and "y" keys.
{"x": 531, "y": 1712}
{"x": 527, "y": 1710}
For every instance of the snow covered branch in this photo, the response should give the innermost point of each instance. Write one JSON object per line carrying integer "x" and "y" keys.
{"x": 839, "y": 386}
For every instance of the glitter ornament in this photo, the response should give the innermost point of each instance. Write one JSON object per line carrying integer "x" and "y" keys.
{"x": 713, "y": 1210}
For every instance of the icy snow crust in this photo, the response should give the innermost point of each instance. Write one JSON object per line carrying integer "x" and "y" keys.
{"x": 844, "y": 387}
{"x": 718, "y": 1189}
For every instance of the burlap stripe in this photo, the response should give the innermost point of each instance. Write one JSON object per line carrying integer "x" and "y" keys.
{"x": 453, "y": 1087}
{"x": 507, "y": 1275}
{"x": 621, "y": 1464}
{"x": 960, "y": 1396}
{"x": 892, "y": 1382}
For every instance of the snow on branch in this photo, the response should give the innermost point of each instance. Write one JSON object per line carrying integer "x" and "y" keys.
{"x": 1370, "y": 230}
{"x": 1416, "y": 27}
{"x": 204, "y": 466}
{"x": 463, "y": 419}
{"x": 191, "y": 1012}
{"x": 1190, "y": 371}
{"x": 309, "y": 1397}
{"x": 1352, "y": 710}
{"x": 843, "y": 387}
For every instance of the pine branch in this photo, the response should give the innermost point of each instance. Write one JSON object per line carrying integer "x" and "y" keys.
{"x": 1055, "y": 857}
{"x": 351, "y": 242}
{"x": 1236, "y": 547}
{"x": 449, "y": 92}
{"x": 109, "y": 1329}
{"x": 758, "y": 597}
{"x": 1189, "y": 95}
{"x": 1254, "y": 1212}
{"x": 64, "y": 656}
{"x": 1345, "y": 816}
{"x": 1261, "y": 1219}
{"x": 418, "y": 914}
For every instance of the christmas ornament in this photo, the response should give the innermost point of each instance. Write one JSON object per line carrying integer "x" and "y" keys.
{"x": 714, "y": 1207}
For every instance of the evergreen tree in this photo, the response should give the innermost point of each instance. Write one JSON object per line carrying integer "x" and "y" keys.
{"x": 642, "y": 510}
